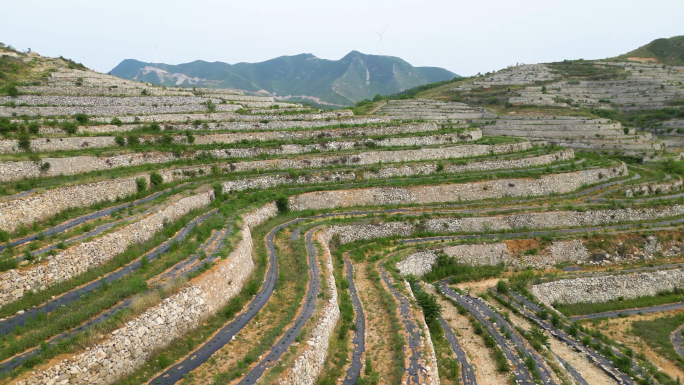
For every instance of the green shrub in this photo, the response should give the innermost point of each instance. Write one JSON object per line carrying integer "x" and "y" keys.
{"x": 24, "y": 142}
{"x": 141, "y": 183}
{"x": 133, "y": 140}
{"x": 211, "y": 106}
{"x": 69, "y": 127}
{"x": 120, "y": 140}
{"x": 283, "y": 204}
{"x": 33, "y": 128}
{"x": 154, "y": 126}
{"x": 117, "y": 122}
{"x": 502, "y": 287}
{"x": 156, "y": 179}
{"x": 428, "y": 303}
{"x": 13, "y": 91}
{"x": 81, "y": 119}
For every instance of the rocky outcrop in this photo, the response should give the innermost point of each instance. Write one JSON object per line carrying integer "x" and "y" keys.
{"x": 14, "y": 284}
{"x": 545, "y": 185}
{"x": 607, "y": 288}
{"x": 309, "y": 364}
{"x": 126, "y": 349}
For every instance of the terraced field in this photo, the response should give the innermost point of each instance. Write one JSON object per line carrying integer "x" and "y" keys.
{"x": 175, "y": 236}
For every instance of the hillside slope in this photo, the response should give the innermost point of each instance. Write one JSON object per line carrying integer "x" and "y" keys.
{"x": 667, "y": 51}
{"x": 342, "y": 82}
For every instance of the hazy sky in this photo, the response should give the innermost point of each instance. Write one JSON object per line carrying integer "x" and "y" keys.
{"x": 464, "y": 37}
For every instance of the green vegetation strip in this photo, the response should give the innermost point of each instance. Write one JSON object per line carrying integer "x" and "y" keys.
{"x": 620, "y": 304}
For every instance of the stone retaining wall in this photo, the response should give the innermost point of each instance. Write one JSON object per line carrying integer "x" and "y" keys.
{"x": 379, "y": 196}
{"x": 39, "y": 206}
{"x": 79, "y": 143}
{"x": 420, "y": 263}
{"x": 310, "y": 363}
{"x": 270, "y": 181}
{"x": 112, "y": 111}
{"x": 656, "y": 188}
{"x": 429, "y": 357}
{"x": 607, "y": 288}
{"x": 543, "y": 220}
{"x": 129, "y": 347}
{"x": 11, "y": 171}
{"x": 77, "y": 259}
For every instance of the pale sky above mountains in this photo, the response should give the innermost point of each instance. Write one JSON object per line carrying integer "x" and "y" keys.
{"x": 464, "y": 37}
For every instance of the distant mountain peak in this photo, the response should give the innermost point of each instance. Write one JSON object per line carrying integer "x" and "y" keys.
{"x": 342, "y": 82}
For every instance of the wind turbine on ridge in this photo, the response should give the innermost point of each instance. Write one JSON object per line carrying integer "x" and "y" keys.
{"x": 156, "y": 58}
{"x": 381, "y": 43}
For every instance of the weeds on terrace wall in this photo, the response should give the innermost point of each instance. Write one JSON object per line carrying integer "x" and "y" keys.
{"x": 460, "y": 272}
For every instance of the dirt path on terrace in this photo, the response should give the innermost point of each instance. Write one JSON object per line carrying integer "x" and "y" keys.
{"x": 592, "y": 373}
{"x": 619, "y": 330}
{"x": 478, "y": 355}
{"x": 378, "y": 324}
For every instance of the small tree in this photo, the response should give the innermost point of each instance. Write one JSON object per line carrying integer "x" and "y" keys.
{"x": 190, "y": 137}
{"x": 144, "y": 262}
{"x": 45, "y": 167}
{"x": 431, "y": 308}
{"x": 13, "y": 91}
{"x": 283, "y": 204}
{"x": 141, "y": 183}
{"x": 33, "y": 128}
{"x": 69, "y": 127}
{"x": 120, "y": 140}
{"x": 502, "y": 287}
{"x": 156, "y": 179}
{"x": 133, "y": 140}
{"x": 24, "y": 142}
{"x": 211, "y": 106}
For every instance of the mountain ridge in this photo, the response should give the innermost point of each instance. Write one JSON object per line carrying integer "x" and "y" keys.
{"x": 354, "y": 77}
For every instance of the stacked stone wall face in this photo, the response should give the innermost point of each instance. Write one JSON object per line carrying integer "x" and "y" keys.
{"x": 607, "y": 288}
{"x": 270, "y": 181}
{"x": 11, "y": 171}
{"x": 655, "y": 188}
{"x": 77, "y": 259}
{"x": 39, "y": 206}
{"x": 80, "y": 143}
{"x": 310, "y": 363}
{"x": 546, "y": 185}
{"x": 129, "y": 347}
{"x": 422, "y": 262}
